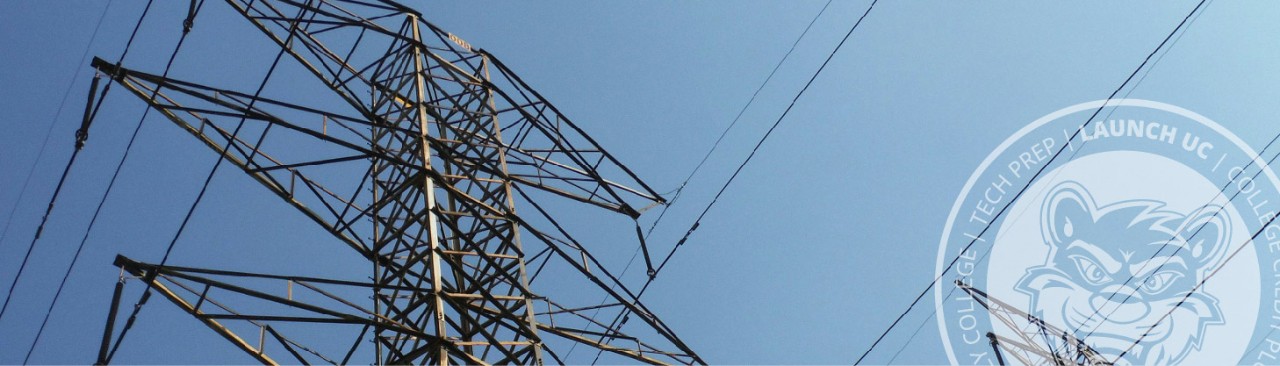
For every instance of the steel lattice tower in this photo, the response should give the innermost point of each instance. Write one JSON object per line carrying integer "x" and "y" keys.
{"x": 419, "y": 172}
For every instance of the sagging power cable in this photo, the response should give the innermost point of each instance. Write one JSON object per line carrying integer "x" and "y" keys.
{"x": 187, "y": 26}
{"x": 153, "y": 275}
{"x": 1031, "y": 180}
{"x": 81, "y": 136}
{"x": 1201, "y": 283}
{"x": 1136, "y": 84}
{"x": 715, "y": 145}
{"x": 22, "y": 192}
{"x": 1220, "y": 192}
{"x": 754, "y": 150}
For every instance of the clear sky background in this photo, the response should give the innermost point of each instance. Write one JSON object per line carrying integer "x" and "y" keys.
{"x": 824, "y": 238}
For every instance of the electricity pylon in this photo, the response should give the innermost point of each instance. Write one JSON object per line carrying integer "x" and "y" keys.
{"x": 1037, "y": 342}
{"x": 419, "y": 173}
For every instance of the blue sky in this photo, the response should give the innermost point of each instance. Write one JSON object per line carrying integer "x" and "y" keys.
{"x": 823, "y": 239}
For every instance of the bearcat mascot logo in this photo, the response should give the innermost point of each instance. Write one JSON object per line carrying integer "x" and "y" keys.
{"x": 1114, "y": 269}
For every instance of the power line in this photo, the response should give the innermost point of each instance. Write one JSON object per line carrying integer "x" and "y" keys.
{"x": 1261, "y": 341}
{"x": 22, "y": 192}
{"x": 1194, "y": 15}
{"x": 39, "y": 229}
{"x": 1145, "y": 73}
{"x": 987, "y": 254}
{"x": 1205, "y": 279}
{"x": 110, "y": 185}
{"x": 1142, "y": 269}
{"x": 80, "y": 137}
{"x": 915, "y": 333}
{"x": 679, "y": 190}
{"x": 1086, "y": 321}
{"x": 736, "y": 118}
{"x": 152, "y": 275}
{"x": 754, "y": 150}
{"x": 1074, "y": 153}
{"x": 1219, "y": 193}
{"x": 1024, "y": 188}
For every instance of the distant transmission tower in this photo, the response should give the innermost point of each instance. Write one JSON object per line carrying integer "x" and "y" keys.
{"x": 416, "y": 163}
{"x": 1036, "y": 342}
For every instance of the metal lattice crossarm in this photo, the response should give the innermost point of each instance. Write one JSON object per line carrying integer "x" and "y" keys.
{"x": 367, "y": 53}
{"x": 203, "y": 293}
{"x": 419, "y": 172}
{"x": 196, "y": 291}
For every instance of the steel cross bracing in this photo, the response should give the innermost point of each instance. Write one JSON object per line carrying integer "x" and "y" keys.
{"x": 1036, "y": 342}
{"x": 419, "y": 176}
